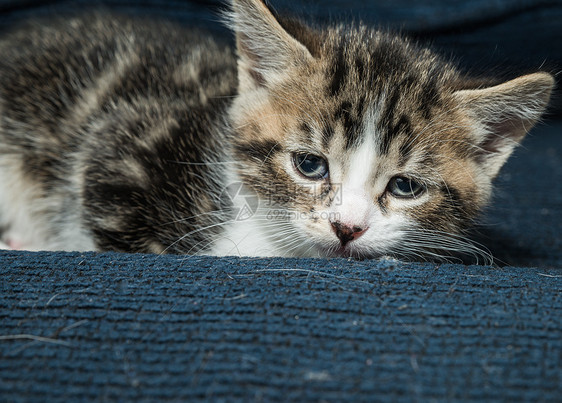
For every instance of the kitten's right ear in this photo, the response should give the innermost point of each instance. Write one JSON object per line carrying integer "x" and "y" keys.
{"x": 266, "y": 51}
{"x": 504, "y": 114}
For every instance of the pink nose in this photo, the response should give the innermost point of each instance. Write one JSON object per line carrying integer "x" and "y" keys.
{"x": 345, "y": 233}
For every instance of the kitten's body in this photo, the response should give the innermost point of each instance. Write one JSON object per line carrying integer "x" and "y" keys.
{"x": 103, "y": 132}
{"x": 127, "y": 135}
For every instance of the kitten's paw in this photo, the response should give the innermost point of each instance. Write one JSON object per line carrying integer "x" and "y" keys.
{"x": 11, "y": 244}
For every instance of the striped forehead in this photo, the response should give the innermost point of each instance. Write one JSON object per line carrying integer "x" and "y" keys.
{"x": 383, "y": 83}
{"x": 385, "y": 125}
{"x": 353, "y": 130}
{"x": 348, "y": 123}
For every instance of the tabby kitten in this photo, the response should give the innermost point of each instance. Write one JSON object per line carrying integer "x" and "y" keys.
{"x": 139, "y": 136}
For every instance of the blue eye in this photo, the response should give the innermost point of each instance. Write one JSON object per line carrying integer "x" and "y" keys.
{"x": 403, "y": 187}
{"x": 310, "y": 166}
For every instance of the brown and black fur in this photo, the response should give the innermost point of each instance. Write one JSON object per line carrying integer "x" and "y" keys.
{"x": 132, "y": 129}
{"x": 148, "y": 115}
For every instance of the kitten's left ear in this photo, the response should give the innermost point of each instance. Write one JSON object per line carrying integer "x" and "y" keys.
{"x": 504, "y": 114}
{"x": 265, "y": 49}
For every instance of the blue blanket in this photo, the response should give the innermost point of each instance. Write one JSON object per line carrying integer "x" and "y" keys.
{"x": 149, "y": 328}
{"x": 87, "y": 326}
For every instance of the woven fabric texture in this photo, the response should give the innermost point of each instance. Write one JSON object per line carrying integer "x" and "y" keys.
{"x": 149, "y": 328}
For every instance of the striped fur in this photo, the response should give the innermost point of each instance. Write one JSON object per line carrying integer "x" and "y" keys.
{"x": 148, "y": 137}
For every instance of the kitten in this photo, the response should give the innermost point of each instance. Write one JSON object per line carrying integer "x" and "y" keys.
{"x": 139, "y": 136}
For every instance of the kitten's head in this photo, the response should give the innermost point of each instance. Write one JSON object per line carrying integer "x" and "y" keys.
{"x": 367, "y": 144}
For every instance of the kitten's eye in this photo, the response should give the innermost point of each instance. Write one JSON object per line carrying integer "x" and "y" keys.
{"x": 310, "y": 166}
{"x": 405, "y": 187}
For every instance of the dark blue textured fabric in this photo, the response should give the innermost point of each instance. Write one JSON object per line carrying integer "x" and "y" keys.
{"x": 123, "y": 327}
{"x": 149, "y": 328}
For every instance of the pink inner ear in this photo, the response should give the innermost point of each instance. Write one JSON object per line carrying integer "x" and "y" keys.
{"x": 504, "y": 134}
{"x": 508, "y": 110}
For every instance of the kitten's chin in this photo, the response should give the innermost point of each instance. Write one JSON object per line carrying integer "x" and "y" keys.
{"x": 346, "y": 251}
